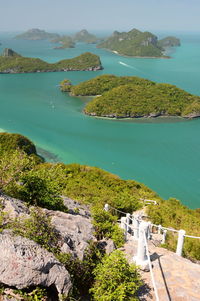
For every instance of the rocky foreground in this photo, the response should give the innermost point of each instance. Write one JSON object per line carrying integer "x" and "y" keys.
{"x": 24, "y": 263}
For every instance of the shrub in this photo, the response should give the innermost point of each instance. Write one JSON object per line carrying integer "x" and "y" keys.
{"x": 38, "y": 190}
{"x": 105, "y": 225}
{"x": 81, "y": 270}
{"x": 38, "y": 228}
{"x": 115, "y": 279}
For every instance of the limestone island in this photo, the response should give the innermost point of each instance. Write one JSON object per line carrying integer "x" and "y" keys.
{"x": 85, "y": 37}
{"x": 12, "y": 62}
{"x": 138, "y": 44}
{"x": 134, "y": 97}
{"x": 36, "y": 34}
{"x": 64, "y": 41}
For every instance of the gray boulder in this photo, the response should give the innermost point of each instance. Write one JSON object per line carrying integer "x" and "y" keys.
{"x": 13, "y": 207}
{"x": 75, "y": 231}
{"x": 24, "y": 263}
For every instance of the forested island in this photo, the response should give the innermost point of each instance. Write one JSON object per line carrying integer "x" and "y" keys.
{"x": 36, "y": 34}
{"x": 12, "y": 62}
{"x": 85, "y": 37}
{"x": 137, "y": 43}
{"x": 65, "y": 41}
{"x": 52, "y": 223}
{"x": 134, "y": 97}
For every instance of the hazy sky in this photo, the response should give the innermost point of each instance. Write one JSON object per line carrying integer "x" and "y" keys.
{"x": 74, "y": 15}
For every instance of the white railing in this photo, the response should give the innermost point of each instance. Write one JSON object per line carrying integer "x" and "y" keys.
{"x": 136, "y": 220}
{"x": 141, "y": 232}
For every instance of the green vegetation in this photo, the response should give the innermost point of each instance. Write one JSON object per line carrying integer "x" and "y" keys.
{"x": 133, "y": 43}
{"x": 19, "y": 64}
{"x": 30, "y": 294}
{"x": 138, "y": 43}
{"x": 37, "y": 227}
{"x": 36, "y": 34}
{"x": 65, "y": 85}
{"x": 81, "y": 271}
{"x": 115, "y": 279}
{"x": 42, "y": 184}
{"x": 105, "y": 225}
{"x": 65, "y": 41}
{"x": 11, "y": 142}
{"x": 173, "y": 214}
{"x": 104, "y": 83}
{"x": 169, "y": 42}
{"x": 85, "y": 37}
{"x": 133, "y": 97}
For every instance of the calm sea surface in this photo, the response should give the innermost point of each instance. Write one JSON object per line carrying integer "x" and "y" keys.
{"x": 162, "y": 153}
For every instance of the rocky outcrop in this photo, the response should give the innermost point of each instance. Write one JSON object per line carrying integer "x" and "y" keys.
{"x": 75, "y": 231}
{"x": 13, "y": 208}
{"x": 24, "y": 263}
{"x": 74, "y": 228}
{"x": 7, "y": 52}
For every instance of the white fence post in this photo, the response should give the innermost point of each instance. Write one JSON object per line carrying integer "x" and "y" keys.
{"x": 164, "y": 236}
{"x": 128, "y": 220}
{"x": 180, "y": 242}
{"x": 106, "y": 207}
{"x": 141, "y": 257}
{"x": 123, "y": 225}
{"x": 159, "y": 229}
{"x": 135, "y": 227}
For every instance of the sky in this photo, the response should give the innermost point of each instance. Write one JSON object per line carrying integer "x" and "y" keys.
{"x": 100, "y": 15}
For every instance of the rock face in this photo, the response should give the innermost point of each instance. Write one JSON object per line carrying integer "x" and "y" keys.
{"x": 75, "y": 231}
{"x": 9, "y": 53}
{"x": 75, "y": 228}
{"x": 24, "y": 263}
{"x": 13, "y": 207}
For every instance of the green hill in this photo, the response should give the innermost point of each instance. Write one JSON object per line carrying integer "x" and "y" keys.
{"x": 169, "y": 42}
{"x": 134, "y": 43}
{"x": 133, "y": 97}
{"x": 85, "y": 37}
{"x": 18, "y": 64}
{"x": 36, "y": 34}
{"x": 65, "y": 41}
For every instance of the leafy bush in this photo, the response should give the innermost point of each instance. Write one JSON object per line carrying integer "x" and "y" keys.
{"x": 11, "y": 142}
{"x": 29, "y": 294}
{"x": 115, "y": 279}
{"x": 81, "y": 270}
{"x": 39, "y": 191}
{"x": 105, "y": 225}
{"x": 12, "y": 165}
{"x": 37, "y": 227}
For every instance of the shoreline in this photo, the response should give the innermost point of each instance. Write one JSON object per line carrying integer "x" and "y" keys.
{"x": 143, "y": 118}
{"x": 137, "y": 57}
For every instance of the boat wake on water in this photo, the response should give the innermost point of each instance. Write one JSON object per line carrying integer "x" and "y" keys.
{"x": 129, "y": 66}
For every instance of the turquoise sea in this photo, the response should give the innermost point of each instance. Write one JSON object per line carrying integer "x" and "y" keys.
{"x": 162, "y": 153}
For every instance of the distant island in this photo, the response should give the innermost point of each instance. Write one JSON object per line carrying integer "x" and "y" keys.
{"x": 137, "y": 43}
{"x": 36, "y": 34}
{"x": 64, "y": 41}
{"x": 85, "y": 37}
{"x": 12, "y": 62}
{"x": 134, "y": 97}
